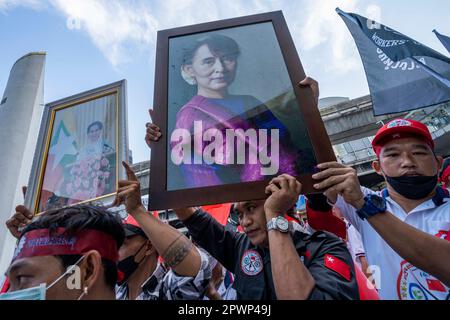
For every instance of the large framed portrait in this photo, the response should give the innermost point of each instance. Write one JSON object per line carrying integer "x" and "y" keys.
{"x": 82, "y": 142}
{"x": 231, "y": 113}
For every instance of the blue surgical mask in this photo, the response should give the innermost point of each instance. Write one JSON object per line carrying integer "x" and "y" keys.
{"x": 38, "y": 292}
{"x": 35, "y": 293}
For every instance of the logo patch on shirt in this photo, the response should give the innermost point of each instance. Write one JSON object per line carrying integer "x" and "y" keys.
{"x": 337, "y": 265}
{"x": 415, "y": 284}
{"x": 251, "y": 263}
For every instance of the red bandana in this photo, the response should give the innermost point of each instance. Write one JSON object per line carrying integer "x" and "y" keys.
{"x": 40, "y": 243}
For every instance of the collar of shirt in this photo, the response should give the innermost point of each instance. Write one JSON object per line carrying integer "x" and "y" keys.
{"x": 152, "y": 282}
{"x": 441, "y": 197}
{"x": 149, "y": 285}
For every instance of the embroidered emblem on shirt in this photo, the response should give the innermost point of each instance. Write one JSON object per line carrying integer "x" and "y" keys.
{"x": 251, "y": 263}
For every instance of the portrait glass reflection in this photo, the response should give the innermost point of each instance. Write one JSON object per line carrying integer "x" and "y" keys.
{"x": 232, "y": 113}
{"x": 81, "y": 156}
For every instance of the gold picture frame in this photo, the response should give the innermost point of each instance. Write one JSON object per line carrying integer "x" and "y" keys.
{"x": 91, "y": 178}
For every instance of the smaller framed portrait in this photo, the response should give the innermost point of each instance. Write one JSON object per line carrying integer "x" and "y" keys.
{"x": 81, "y": 145}
{"x": 231, "y": 113}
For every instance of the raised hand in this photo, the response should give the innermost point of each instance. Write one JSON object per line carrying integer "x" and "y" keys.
{"x": 314, "y": 85}
{"x": 129, "y": 192}
{"x": 284, "y": 191}
{"x": 153, "y": 132}
{"x": 339, "y": 179}
{"x": 20, "y": 219}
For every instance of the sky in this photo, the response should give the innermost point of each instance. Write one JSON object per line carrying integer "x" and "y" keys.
{"x": 90, "y": 43}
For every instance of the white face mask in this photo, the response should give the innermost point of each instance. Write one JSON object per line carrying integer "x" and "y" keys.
{"x": 38, "y": 292}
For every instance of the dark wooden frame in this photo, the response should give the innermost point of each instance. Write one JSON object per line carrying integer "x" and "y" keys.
{"x": 159, "y": 196}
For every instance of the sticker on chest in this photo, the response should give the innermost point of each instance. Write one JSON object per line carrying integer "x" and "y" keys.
{"x": 251, "y": 263}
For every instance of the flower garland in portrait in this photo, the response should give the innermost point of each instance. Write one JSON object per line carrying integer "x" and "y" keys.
{"x": 89, "y": 178}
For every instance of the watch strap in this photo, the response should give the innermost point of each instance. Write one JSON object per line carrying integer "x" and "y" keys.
{"x": 370, "y": 208}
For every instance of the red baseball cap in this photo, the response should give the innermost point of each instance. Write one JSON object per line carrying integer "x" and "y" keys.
{"x": 400, "y": 128}
{"x": 133, "y": 228}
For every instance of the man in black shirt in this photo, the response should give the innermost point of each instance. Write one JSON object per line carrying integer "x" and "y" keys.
{"x": 274, "y": 259}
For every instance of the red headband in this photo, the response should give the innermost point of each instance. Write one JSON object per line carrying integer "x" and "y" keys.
{"x": 40, "y": 243}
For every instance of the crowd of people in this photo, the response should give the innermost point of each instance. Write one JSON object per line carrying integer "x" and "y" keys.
{"x": 401, "y": 251}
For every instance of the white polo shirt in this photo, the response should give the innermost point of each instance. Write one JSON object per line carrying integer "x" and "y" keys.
{"x": 396, "y": 278}
{"x": 354, "y": 243}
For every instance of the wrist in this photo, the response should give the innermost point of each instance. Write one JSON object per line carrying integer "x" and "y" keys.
{"x": 270, "y": 214}
{"x": 359, "y": 203}
{"x": 373, "y": 205}
{"x": 140, "y": 210}
{"x": 185, "y": 213}
{"x": 278, "y": 223}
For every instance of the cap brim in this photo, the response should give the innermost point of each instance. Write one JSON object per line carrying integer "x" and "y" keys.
{"x": 129, "y": 233}
{"x": 131, "y": 230}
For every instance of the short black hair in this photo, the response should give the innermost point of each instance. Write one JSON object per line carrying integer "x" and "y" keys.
{"x": 80, "y": 217}
{"x": 215, "y": 42}
{"x": 95, "y": 123}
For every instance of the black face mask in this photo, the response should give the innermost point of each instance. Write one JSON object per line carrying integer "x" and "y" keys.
{"x": 413, "y": 187}
{"x": 128, "y": 265}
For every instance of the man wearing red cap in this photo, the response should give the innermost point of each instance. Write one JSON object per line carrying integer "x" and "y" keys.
{"x": 142, "y": 276}
{"x": 138, "y": 260}
{"x": 397, "y": 225}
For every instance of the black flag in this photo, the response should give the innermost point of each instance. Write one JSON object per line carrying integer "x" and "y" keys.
{"x": 402, "y": 73}
{"x": 443, "y": 39}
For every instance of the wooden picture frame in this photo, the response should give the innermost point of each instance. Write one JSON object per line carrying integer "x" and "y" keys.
{"x": 82, "y": 142}
{"x": 264, "y": 39}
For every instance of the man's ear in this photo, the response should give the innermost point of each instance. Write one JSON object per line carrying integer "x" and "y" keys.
{"x": 91, "y": 268}
{"x": 440, "y": 162}
{"x": 377, "y": 167}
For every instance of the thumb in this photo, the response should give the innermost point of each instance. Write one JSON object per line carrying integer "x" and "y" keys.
{"x": 305, "y": 81}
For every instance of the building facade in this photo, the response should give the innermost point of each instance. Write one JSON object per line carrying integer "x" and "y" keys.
{"x": 21, "y": 109}
{"x": 352, "y": 126}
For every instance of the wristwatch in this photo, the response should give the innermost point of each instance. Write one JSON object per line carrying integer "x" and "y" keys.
{"x": 373, "y": 204}
{"x": 278, "y": 223}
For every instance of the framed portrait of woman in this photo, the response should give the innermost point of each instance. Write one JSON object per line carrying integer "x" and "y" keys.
{"x": 231, "y": 113}
{"x": 81, "y": 144}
